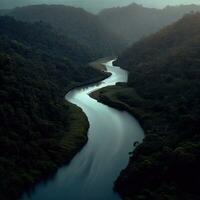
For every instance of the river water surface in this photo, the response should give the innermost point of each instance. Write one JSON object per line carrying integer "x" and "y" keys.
{"x": 92, "y": 172}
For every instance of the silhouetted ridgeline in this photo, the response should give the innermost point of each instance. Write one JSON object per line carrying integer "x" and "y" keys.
{"x": 133, "y": 22}
{"x": 38, "y": 129}
{"x": 76, "y": 23}
{"x": 164, "y": 80}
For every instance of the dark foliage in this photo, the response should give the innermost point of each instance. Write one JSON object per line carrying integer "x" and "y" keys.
{"x": 165, "y": 72}
{"x": 36, "y": 68}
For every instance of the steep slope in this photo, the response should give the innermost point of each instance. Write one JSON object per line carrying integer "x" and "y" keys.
{"x": 134, "y": 22}
{"x": 76, "y": 23}
{"x": 36, "y": 123}
{"x": 163, "y": 91}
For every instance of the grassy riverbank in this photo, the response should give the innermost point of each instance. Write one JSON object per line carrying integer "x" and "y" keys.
{"x": 111, "y": 96}
{"x": 61, "y": 151}
{"x": 76, "y": 135}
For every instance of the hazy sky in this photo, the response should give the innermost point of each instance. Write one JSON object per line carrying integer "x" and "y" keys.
{"x": 95, "y": 5}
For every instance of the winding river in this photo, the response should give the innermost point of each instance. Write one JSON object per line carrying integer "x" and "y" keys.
{"x": 92, "y": 172}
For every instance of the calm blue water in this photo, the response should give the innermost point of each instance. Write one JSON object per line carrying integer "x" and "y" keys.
{"x": 92, "y": 172}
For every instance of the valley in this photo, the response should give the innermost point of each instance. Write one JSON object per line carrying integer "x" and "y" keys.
{"x": 100, "y": 106}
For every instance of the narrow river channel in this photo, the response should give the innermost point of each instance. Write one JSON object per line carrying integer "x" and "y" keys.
{"x": 92, "y": 172}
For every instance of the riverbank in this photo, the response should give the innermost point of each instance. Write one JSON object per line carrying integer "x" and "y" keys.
{"x": 110, "y": 96}
{"x": 74, "y": 138}
{"x": 98, "y": 64}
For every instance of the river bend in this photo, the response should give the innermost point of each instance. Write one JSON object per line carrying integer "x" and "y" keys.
{"x": 92, "y": 172}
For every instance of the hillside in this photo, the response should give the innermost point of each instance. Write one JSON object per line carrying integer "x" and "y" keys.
{"x": 163, "y": 92}
{"x": 36, "y": 123}
{"x": 76, "y": 23}
{"x": 134, "y": 22}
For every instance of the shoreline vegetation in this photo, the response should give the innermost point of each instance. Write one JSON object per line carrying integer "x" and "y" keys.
{"x": 108, "y": 96}
{"x": 97, "y": 65}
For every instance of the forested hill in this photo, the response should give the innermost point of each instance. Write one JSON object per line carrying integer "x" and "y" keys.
{"x": 76, "y": 23}
{"x": 36, "y": 67}
{"x": 164, "y": 73}
{"x": 134, "y": 22}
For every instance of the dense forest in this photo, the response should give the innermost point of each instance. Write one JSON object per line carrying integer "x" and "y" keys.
{"x": 37, "y": 66}
{"x": 76, "y": 23}
{"x": 134, "y": 21}
{"x": 164, "y": 92}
